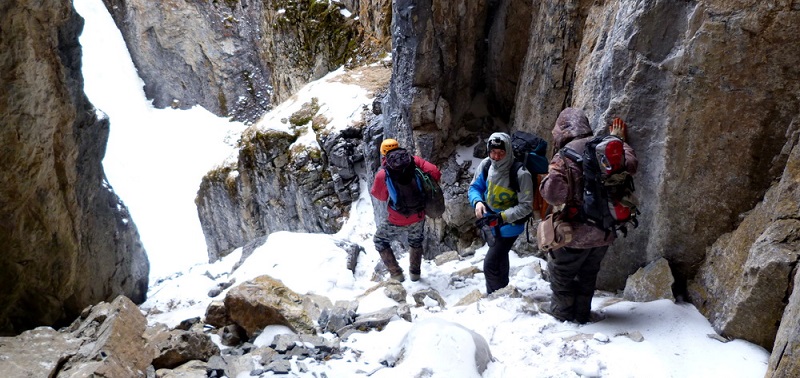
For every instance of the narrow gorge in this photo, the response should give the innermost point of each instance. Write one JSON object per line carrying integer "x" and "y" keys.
{"x": 709, "y": 89}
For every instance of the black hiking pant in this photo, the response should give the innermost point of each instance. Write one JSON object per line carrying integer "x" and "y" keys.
{"x": 573, "y": 277}
{"x": 496, "y": 265}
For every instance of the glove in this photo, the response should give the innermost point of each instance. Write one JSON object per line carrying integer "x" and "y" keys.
{"x": 494, "y": 220}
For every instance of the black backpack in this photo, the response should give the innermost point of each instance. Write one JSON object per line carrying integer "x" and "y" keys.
{"x": 408, "y": 198}
{"x": 608, "y": 201}
{"x": 529, "y": 152}
{"x": 420, "y": 193}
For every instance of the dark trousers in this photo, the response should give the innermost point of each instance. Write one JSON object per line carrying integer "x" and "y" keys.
{"x": 573, "y": 277}
{"x": 495, "y": 265}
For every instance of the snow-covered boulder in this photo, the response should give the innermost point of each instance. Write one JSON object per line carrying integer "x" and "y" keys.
{"x": 438, "y": 348}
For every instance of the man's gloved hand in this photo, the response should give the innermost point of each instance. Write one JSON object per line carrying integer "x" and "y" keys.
{"x": 494, "y": 219}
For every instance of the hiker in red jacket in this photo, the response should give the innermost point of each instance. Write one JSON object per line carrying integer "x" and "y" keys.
{"x": 573, "y": 269}
{"x": 396, "y": 183}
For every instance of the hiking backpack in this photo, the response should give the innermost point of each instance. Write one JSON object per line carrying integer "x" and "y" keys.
{"x": 608, "y": 201}
{"x": 529, "y": 152}
{"x": 421, "y": 193}
{"x": 406, "y": 199}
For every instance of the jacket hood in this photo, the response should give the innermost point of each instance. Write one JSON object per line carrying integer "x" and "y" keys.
{"x": 571, "y": 123}
{"x": 506, "y": 162}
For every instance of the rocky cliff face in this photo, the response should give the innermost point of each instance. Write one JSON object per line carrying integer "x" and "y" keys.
{"x": 239, "y": 57}
{"x": 66, "y": 240}
{"x": 274, "y": 187}
{"x": 708, "y": 88}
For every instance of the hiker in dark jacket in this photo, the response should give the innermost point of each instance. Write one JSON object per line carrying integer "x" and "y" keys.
{"x": 493, "y": 198}
{"x": 573, "y": 269}
{"x": 397, "y": 184}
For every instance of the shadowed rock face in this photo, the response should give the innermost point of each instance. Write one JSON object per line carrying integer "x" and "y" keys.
{"x": 66, "y": 239}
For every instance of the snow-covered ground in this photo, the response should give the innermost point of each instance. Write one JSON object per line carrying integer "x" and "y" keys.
{"x": 155, "y": 161}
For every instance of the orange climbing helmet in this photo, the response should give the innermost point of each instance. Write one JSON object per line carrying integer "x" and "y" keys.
{"x": 388, "y": 145}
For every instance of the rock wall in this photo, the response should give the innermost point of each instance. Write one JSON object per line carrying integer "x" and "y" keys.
{"x": 274, "y": 187}
{"x": 374, "y": 16}
{"x": 706, "y": 155}
{"x": 748, "y": 275}
{"x": 708, "y": 89}
{"x": 60, "y": 219}
{"x": 238, "y": 57}
{"x": 456, "y": 67}
{"x": 216, "y": 63}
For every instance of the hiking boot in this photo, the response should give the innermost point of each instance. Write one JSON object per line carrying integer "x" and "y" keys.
{"x": 395, "y": 272}
{"x": 593, "y": 317}
{"x": 547, "y": 308}
{"x": 415, "y": 260}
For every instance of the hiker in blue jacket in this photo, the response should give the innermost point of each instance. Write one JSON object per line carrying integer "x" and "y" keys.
{"x": 496, "y": 203}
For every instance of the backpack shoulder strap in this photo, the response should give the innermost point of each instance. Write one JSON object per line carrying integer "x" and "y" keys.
{"x": 513, "y": 179}
{"x": 513, "y": 175}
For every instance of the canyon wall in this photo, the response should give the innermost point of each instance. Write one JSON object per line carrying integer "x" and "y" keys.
{"x": 66, "y": 239}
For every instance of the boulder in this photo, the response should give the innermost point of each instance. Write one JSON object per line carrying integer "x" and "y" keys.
{"x": 176, "y": 347}
{"x": 651, "y": 283}
{"x": 113, "y": 342}
{"x": 265, "y": 301}
{"x": 743, "y": 283}
{"x": 36, "y": 353}
{"x": 454, "y": 341}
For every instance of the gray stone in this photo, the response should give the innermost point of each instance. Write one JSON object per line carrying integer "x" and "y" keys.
{"x": 375, "y": 320}
{"x": 509, "y": 291}
{"x": 473, "y": 297}
{"x": 446, "y": 258}
{"x": 462, "y": 275}
{"x": 191, "y": 369}
{"x": 279, "y": 367}
{"x": 36, "y": 353}
{"x": 653, "y": 282}
{"x": 419, "y": 297}
{"x": 395, "y": 291}
{"x": 178, "y": 347}
{"x": 284, "y": 342}
{"x": 315, "y": 305}
{"x": 342, "y": 314}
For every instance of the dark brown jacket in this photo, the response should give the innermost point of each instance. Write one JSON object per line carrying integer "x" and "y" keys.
{"x": 572, "y": 130}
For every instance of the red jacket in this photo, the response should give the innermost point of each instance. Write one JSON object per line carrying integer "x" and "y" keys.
{"x": 381, "y": 192}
